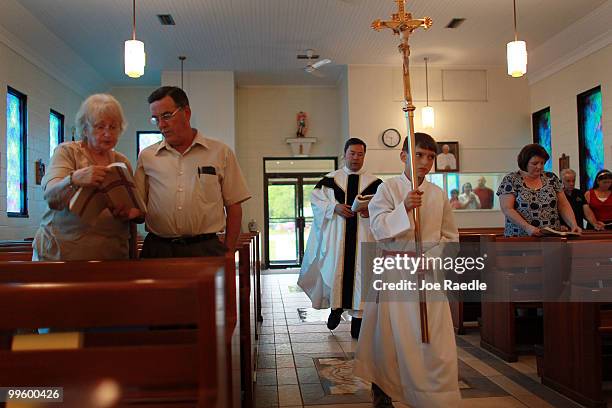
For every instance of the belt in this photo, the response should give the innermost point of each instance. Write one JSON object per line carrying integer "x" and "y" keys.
{"x": 184, "y": 240}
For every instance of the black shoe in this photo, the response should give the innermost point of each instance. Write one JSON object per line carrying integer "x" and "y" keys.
{"x": 334, "y": 318}
{"x": 379, "y": 398}
{"x": 355, "y": 327}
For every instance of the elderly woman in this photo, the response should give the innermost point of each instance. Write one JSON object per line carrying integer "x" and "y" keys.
{"x": 600, "y": 199}
{"x": 468, "y": 199}
{"x": 532, "y": 199}
{"x": 577, "y": 200}
{"x": 63, "y": 235}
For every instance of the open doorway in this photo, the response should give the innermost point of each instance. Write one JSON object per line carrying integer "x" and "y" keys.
{"x": 288, "y": 183}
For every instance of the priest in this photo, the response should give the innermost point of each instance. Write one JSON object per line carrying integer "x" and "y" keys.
{"x": 390, "y": 353}
{"x": 331, "y": 273}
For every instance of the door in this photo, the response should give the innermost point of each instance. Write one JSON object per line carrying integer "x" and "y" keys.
{"x": 283, "y": 222}
{"x": 288, "y": 184}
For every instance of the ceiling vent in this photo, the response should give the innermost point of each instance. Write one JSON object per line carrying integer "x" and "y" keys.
{"x": 455, "y": 22}
{"x": 166, "y": 19}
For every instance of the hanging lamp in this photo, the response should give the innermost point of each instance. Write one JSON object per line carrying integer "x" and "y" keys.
{"x": 427, "y": 113}
{"x": 134, "y": 51}
{"x": 516, "y": 53}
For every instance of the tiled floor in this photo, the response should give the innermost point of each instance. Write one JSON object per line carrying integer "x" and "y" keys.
{"x": 302, "y": 364}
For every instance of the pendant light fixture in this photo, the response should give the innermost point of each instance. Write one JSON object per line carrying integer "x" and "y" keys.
{"x": 182, "y": 59}
{"x": 427, "y": 113}
{"x": 516, "y": 53}
{"x": 134, "y": 51}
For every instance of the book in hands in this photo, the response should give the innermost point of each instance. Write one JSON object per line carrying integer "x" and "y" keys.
{"x": 117, "y": 190}
{"x": 361, "y": 202}
{"x": 547, "y": 231}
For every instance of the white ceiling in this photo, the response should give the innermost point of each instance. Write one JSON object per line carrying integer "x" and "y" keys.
{"x": 258, "y": 39}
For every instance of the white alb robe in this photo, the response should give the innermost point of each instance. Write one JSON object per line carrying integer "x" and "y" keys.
{"x": 322, "y": 275}
{"x": 390, "y": 352}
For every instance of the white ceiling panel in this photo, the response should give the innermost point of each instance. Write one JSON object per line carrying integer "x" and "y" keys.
{"x": 259, "y": 39}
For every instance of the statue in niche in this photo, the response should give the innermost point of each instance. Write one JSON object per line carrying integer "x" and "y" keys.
{"x": 301, "y": 122}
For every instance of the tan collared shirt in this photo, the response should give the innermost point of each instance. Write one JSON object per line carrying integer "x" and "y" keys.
{"x": 186, "y": 193}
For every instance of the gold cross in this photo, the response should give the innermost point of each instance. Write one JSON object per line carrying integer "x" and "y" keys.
{"x": 402, "y": 21}
{"x": 403, "y": 25}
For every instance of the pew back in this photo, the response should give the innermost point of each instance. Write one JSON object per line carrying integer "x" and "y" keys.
{"x": 179, "y": 372}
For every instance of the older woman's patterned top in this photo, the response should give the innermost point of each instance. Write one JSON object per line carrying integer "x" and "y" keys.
{"x": 537, "y": 207}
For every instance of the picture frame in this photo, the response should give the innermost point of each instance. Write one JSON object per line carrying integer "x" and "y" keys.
{"x": 446, "y": 160}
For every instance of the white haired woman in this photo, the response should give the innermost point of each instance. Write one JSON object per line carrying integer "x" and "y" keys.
{"x": 62, "y": 235}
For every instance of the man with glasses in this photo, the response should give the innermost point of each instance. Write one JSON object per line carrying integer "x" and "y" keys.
{"x": 192, "y": 185}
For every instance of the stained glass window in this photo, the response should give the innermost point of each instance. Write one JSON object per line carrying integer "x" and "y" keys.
{"x": 590, "y": 136}
{"x": 56, "y": 130}
{"x": 15, "y": 152}
{"x": 542, "y": 133}
{"x": 145, "y": 139}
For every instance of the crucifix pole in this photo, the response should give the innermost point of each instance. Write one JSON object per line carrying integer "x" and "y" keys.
{"x": 403, "y": 24}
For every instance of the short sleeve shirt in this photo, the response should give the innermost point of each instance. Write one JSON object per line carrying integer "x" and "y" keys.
{"x": 186, "y": 193}
{"x": 538, "y": 207}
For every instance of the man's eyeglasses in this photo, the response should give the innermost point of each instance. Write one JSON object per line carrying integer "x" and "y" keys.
{"x": 164, "y": 116}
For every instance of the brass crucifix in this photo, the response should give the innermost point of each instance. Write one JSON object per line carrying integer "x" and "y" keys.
{"x": 403, "y": 25}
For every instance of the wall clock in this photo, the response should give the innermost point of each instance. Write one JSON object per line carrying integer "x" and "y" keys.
{"x": 391, "y": 137}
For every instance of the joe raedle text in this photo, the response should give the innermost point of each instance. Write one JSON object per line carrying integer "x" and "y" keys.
{"x": 447, "y": 285}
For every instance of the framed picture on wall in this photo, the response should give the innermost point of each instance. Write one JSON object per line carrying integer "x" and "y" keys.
{"x": 447, "y": 159}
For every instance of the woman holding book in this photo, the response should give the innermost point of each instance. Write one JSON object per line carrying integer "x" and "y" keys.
{"x": 600, "y": 198}
{"x": 62, "y": 234}
{"x": 532, "y": 199}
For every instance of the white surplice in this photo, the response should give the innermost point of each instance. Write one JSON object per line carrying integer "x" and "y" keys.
{"x": 322, "y": 273}
{"x": 390, "y": 352}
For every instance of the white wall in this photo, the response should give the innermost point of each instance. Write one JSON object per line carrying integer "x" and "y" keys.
{"x": 559, "y": 92}
{"x": 266, "y": 116}
{"x": 43, "y": 93}
{"x": 136, "y": 111}
{"x": 211, "y": 98}
{"x": 490, "y": 132}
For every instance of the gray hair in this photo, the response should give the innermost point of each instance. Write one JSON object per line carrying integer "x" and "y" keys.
{"x": 93, "y": 108}
{"x": 567, "y": 171}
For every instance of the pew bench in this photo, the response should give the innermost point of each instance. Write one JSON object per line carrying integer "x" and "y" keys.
{"x": 188, "y": 269}
{"x": 578, "y": 332}
{"x": 511, "y": 308}
{"x": 176, "y": 374}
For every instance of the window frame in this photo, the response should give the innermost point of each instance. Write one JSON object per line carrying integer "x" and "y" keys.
{"x": 61, "y": 118}
{"x": 582, "y": 142}
{"x": 144, "y": 132}
{"x": 23, "y": 112}
{"x": 536, "y": 118}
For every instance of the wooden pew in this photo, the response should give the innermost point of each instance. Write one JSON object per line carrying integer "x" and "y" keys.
{"x": 16, "y": 256}
{"x": 574, "y": 361}
{"x": 515, "y": 272}
{"x": 180, "y": 268}
{"x": 461, "y": 311}
{"x": 170, "y": 373}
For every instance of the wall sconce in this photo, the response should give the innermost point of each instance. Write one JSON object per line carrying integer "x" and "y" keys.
{"x": 39, "y": 167}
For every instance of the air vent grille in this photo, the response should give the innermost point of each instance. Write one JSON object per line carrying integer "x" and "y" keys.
{"x": 166, "y": 19}
{"x": 455, "y": 22}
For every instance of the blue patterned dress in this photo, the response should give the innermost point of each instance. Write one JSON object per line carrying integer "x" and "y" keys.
{"x": 538, "y": 207}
